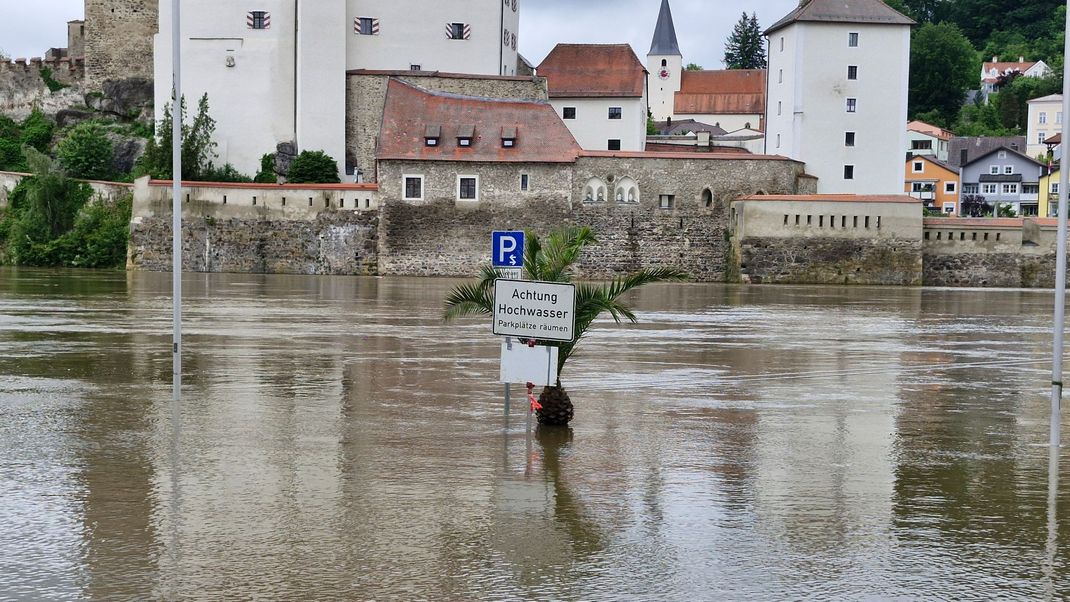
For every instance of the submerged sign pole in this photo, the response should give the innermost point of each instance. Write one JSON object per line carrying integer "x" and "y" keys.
{"x": 1060, "y": 266}
{"x": 176, "y": 198}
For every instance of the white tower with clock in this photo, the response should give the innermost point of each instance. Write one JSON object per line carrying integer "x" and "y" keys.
{"x": 665, "y": 64}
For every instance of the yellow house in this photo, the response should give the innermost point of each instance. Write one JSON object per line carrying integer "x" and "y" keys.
{"x": 1049, "y": 194}
{"x": 934, "y": 182}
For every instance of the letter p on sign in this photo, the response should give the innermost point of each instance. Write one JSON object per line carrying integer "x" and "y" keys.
{"x": 508, "y": 249}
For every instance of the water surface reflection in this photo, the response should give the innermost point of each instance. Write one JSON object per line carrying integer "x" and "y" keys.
{"x": 339, "y": 441}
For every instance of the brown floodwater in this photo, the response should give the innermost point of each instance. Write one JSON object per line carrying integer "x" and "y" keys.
{"x": 336, "y": 440}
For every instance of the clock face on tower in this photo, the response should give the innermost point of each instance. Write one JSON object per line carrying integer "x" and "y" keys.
{"x": 664, "y": 73}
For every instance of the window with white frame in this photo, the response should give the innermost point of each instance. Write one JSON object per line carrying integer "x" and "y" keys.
{"x": 1008, "y": 170}
{"x": 1042, "y": 118}
{"x": 993, "y": 170}
{"x": 917, "y": 167}
{"x": 616, "y": 112}
{"x": 1041, "y": 137}
{"x": 848, "y": 172}
{"x": 852, "y": 72}
{"x": 1010, "y": 189}
{"x": 949, "y": 207}
{"x": 848, "y": 138}
{"x": 468, "y": 188}
{"x": 852, "y": 105}
{"x": 949, "y": 187}
{"x": 414, "y": 187}
{"x": 969, "y": 188}
{"x": 852, "y": 40}
{"x": 1059, "y": 117}
{"x": 1002, "y": 154}
{"x": 989, "y": 188}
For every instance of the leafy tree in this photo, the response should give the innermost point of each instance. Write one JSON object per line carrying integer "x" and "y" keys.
{"x": 41, "y": 209}
{"x": 554, "y": 263}
{"x": 313, "y": 167}
{"x": 198, "y": 148}
{"x": 37, "y": 131}
{"x": 944, "y": 67}
{"x": 979, "y": 119}
{"x": 87, "y": 152}
{"x": 266, "y": 175}
{"x": 745, "y": 47}
{"x": 693, "y": 67}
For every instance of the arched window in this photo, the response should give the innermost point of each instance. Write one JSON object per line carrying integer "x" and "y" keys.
{"x": 627, "y": 191}
{"x": 707, "y": 198}
{"x": 595, "y": 190}
{"x": 664, "y": 63}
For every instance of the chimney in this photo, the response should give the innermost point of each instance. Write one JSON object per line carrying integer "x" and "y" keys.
{"x": 1021, "y": 59}
{"x": 963, "y": 155}
{"x": 995, "y": 59}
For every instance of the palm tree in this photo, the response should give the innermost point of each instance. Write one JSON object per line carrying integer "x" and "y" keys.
{"x": 553, "y": 262}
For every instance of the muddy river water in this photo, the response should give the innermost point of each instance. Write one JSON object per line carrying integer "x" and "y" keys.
{"x": 336, "y": 440}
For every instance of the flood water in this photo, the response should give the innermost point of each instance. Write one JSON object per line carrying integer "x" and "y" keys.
{"x": 337, "y": 441}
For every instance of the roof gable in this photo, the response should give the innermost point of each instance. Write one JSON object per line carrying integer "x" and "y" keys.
{"x": 540, "y": 136}
{"x": 1009, "y": 150}
{"x": 593, "y": 71}
{"x": 873, "y": 12}
{"x": 936, "y": 162}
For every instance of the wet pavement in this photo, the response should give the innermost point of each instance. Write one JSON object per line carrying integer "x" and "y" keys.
{"x": 336, "y": 440}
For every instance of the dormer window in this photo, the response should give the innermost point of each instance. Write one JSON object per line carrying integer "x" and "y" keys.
{"x": 432, "y": 135}
{"x": 508, "y": 137}
{"x": 466, "y": 135}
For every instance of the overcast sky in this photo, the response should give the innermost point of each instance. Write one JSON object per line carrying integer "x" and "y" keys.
{"x": 29, "y": 27}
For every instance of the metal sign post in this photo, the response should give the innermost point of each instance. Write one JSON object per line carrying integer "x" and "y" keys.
{"x": 1060, "y": 267}
{"x": 176, "y": 198}
{"x": 507, "y": 255}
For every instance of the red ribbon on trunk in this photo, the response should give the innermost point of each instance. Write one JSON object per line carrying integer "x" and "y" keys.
{"x": 535, "y": 405}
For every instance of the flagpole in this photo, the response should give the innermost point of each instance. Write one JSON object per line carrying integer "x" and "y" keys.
{"x": 1060, "y": 261}
{"x": 176, "y": 198}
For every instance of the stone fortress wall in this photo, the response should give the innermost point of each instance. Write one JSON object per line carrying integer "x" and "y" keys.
{"x": 118, "y": 40}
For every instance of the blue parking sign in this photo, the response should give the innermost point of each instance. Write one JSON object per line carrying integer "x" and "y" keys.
{"x": 507, "y": 249}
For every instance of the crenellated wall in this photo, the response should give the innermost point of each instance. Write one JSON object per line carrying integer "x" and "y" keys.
{"x": 22, "y": 85}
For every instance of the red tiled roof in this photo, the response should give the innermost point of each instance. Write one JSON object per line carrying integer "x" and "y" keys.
{"x": 833, "y": 198}
{"x": 1004, "y": 66}
{"x": 657, "y": 147}
{"x": 718, "y": 155}
{"x": 926, "y": 128}
{"x": 730, "y": 91}
{"x": 593, "y": 70}
{"x": 541, "y": 136}
{"x": 1056, "y": 139}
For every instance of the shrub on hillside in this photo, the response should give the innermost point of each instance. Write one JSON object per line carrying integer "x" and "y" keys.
{"x": 36, "y": 131}
{"x": 87, "y": 152}
{"x": 313, "y": 167}
{"x": 266, "y": 175}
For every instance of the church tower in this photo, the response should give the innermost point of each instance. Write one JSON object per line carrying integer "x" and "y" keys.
{"x": 665, "y": 64}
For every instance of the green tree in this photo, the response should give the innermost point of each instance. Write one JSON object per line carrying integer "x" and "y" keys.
{"x": 313, "y": 167}
{"x": 266, "y": 175}
{"x": 979, "y": 119}
{"x": 37, "y": 131}
{"x": 198, "y": 148}
{"x": 945, "y": 66}
{"x": 87, "y": 152}
{"x": 745, "y": 47}
{"x": 693, "y": 67}
{"x": 554, "y": 262}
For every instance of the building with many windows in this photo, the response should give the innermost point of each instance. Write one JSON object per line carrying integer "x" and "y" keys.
{"x": 1045, "y": 121}
{"x": 933, "y": 182}
{"x": 927, "y": 139}
{"x": 1005, "y": 177}
{"x": 275, "y": 71}
{"x": 599, "y": 90}
{"x": 837, "y": 94}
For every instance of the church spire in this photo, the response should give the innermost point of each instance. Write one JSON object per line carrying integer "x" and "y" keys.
{"x": 664, "y": 42}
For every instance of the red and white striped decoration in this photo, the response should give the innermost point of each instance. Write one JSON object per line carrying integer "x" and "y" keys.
{"x": 467, "y": 32}
{"x": 357, "y": 29}
{"x": 250, "y": 20}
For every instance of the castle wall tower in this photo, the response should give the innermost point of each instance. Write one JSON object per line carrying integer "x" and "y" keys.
{"x": 837, "y": 93}
{"x": 665, "y": 64}
{"x": 119, "y": 39}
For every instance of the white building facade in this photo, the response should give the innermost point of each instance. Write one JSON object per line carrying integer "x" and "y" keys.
{"x": 837, "y": 93}
{"x": 275, "y": 70}
{"x": 1045, "y": 121}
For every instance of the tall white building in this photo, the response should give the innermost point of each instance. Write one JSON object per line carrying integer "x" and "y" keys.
{"x": 837, "y": 100}
{"x": 275, "y": 70}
